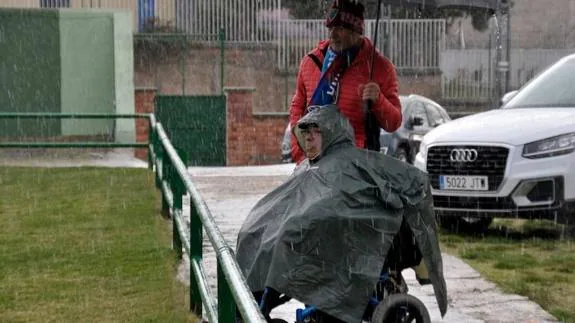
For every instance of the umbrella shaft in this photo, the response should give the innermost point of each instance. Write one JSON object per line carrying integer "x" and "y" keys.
{"x": 375, "y": 38}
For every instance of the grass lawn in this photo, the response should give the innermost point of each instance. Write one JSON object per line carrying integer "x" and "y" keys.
{"x": 86, "y": 245}
{"x": 525, "y": 258}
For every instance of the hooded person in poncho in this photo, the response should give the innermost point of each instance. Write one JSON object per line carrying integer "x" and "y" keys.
{"x": 322, "y": 236}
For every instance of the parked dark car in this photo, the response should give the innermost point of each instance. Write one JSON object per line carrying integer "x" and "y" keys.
{"x": 420, "y": 115}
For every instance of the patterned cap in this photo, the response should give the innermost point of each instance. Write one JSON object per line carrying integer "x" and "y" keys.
{"x": 347, "y": 14}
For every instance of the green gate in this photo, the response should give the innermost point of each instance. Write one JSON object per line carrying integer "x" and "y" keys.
{"x": 30, "y": 71}
{"x": 196, "y": 126}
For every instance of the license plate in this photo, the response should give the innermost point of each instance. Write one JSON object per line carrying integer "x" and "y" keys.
{"x": 463, "y": 183}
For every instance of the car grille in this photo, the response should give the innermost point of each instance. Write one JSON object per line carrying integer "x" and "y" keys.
{"x": 491, "y": 161}
{"x": 477, "y": 203}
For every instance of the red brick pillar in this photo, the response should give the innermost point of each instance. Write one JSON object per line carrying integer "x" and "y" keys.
{"x": 145, "y": 99}
{"x": 241, "y": 133}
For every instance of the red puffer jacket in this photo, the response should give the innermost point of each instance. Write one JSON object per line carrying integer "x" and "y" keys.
{"x": 350, "y": 103}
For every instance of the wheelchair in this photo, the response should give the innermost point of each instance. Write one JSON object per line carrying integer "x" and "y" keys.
{"x": 390, "y": 301}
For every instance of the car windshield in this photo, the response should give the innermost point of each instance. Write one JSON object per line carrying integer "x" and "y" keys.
{"x": 552, "y": 88}
{"x": 403, "y": 101}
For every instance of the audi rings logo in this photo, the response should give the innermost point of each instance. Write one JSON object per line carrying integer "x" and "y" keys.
{"x": 463, "y": 155}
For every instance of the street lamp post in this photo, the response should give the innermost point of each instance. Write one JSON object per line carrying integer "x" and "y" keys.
{"x": 503, "y": 59}
{"x": 507, "y": 8}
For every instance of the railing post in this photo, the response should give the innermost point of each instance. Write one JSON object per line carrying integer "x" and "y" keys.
{"x": 176, "y": 240}
{"x": 166, "y": 177}
{"x": 226, "y": 303}
{"x": 158, "y": 150}
{"x": 151, "y": 144}
{"x": 161, "y": 175}
{"x": 178, "y": 190}
{"x": 196, "y": 243}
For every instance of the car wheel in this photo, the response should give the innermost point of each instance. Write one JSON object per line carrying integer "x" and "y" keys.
{"x": 401, "y": 154}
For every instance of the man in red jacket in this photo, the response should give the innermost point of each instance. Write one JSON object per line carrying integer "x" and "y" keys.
{"x": 337, "y": 72}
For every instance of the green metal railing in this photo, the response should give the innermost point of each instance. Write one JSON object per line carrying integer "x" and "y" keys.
{"x": 172, "y": 178}
{"x": 174, "y": 181}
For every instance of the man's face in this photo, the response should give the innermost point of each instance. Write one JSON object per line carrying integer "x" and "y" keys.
{"x": 341, "y": 38}
{"x": 312, "y": 141}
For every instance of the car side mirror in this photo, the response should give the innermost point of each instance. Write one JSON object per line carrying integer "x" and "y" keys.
{"x": 507, "y": 97}
{"x": 413, "y": 121}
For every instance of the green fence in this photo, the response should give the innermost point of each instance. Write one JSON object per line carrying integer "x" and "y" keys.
{"x": 174, "y": 182}
{"x": 196, "y": 126}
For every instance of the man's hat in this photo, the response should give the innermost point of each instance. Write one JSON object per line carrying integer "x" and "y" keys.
{"x": 347, "y": 14}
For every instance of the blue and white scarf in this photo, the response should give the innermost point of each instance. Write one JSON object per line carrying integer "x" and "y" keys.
{"x": 334, "y": 64}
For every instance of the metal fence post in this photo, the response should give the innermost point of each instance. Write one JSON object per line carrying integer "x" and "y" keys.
{"x": 196, "y": 240}
{"x": 184, "y": 58}
{"x": 226, "y": 303}
{"x": 222, "y": 36}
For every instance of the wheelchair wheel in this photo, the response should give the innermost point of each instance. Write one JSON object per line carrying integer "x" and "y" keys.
{"x": 401, "y": 308}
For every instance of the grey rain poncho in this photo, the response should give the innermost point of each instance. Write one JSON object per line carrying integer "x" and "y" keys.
{"x": 323, "y": 235}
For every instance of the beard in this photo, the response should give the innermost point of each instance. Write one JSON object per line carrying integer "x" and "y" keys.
{"x": 336, "y": 45}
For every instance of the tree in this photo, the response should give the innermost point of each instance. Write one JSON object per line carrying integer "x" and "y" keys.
{"x": 314, "y": 9}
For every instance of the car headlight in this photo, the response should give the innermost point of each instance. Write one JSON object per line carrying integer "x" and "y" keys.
{"x": 554, "y": 146}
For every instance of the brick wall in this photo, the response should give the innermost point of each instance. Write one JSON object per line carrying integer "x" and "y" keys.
{"x": 269, "y": 134}
{"x": 145, "y": 99}
{"x": 252, "y": 139}
{"x": 196, "y": 71}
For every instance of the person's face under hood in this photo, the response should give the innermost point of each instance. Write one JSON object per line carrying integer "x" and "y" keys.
{"x": 311, "y": 141}
{"x": 325, "y": 127}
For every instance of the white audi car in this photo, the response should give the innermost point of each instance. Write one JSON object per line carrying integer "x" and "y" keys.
{"x": 515, "y": 161}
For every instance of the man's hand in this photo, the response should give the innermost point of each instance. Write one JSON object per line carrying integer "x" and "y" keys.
{"x": 370, "y": 91}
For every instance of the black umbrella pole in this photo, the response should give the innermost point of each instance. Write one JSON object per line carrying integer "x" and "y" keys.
{"x": 371, "y": 124}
